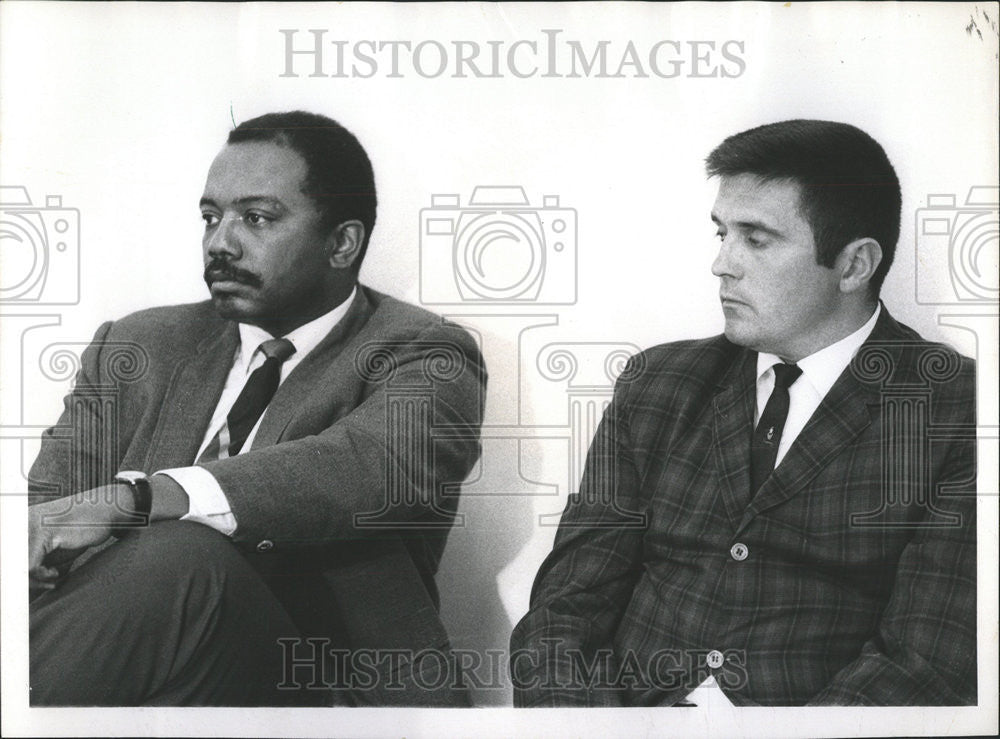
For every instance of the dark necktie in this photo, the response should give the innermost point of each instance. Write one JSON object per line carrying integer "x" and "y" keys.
{"x": 252, "y": 401}
{"x": 767, "y": 436}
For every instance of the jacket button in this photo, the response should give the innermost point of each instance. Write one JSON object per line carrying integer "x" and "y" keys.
{"x": 714, "y": 659}
{"x": 739, "y": 551}
{"x": 265, "y": 546}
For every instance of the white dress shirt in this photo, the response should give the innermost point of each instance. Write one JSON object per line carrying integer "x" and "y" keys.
{"x": 819, "y": 371}
{"x": 207, "y": 504}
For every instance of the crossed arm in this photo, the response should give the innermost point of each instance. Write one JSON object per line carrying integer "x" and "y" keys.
{"x": 305, "y": 490}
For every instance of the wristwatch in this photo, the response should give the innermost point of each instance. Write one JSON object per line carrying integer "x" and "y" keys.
{"x": 142, "y": 496}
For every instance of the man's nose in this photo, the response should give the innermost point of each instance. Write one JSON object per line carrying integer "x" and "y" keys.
{"x": 724, "y": 264}
{"x": 223, "y": 239}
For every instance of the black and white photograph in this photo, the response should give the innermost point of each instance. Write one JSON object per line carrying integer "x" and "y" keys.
{"x": 422, "y": 369}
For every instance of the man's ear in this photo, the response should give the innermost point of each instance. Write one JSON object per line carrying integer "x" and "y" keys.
{"x": 344, "y": 244}
{"x": 857, "y": 263}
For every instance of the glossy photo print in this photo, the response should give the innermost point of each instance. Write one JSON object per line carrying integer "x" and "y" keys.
{"x": 578, "y": 369}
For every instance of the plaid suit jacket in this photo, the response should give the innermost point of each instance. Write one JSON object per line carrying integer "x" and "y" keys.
{"x": 850, "y": 578}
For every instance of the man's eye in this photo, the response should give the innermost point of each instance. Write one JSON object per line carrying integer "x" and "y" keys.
{"x": 720, "y": 235}
{"x": 256, "y": 219}
{"x": 210, "y": 219}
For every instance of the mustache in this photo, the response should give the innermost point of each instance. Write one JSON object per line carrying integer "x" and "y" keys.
{"x": 221, "y": 269}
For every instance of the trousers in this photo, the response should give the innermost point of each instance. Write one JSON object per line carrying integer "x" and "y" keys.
{"x": 169, "y": 615}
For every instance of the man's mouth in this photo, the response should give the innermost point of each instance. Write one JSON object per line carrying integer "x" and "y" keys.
{"x": 220, "y": 278}
{"x": 222, "y": 274}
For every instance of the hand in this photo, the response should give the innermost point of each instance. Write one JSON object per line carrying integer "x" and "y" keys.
{"x": 60, "y": 530}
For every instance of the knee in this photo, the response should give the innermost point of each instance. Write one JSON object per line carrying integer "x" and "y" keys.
{"x": 183, "y": 554}
{"x": 177, "y": 546}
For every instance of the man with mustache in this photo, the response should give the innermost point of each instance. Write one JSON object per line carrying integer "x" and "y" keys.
{"x": 786, "y": 511}
{"x": 259, "y": 478}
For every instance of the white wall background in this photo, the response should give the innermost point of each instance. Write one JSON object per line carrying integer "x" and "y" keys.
{"x": 119, "y": 109}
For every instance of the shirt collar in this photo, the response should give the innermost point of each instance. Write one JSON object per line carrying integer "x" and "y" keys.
{"x": 822, "y": 368}
{"x": 304, "y": 338}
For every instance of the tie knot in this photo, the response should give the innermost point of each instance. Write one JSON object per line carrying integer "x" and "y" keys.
{"x": 786, "y": 374}
{"x": 280, "y": 349}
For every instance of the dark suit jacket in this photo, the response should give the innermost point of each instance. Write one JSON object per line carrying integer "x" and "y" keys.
{"x": 859, "y": 580}
{"x": 354, "y": 430}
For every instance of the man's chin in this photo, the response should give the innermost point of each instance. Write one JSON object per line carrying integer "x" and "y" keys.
{"x": 738, "y": 334}
{"x": 232, "y": 307}
{"x": 753, "y": 342}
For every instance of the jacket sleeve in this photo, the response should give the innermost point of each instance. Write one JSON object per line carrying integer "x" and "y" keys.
{"x": 80, "y": 452}
{"x": 924, "y": 649}
{"x": 392, "y": 462}
{"x": 561, "y": 651}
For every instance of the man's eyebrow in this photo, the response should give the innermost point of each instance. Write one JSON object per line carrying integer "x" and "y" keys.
{"x": 750, "y": 226}
{"x": 247, "y": 200}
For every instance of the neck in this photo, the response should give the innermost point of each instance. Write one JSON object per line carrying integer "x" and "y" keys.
{"x": 842, "y": 324}
{"x": 300, "y": 316}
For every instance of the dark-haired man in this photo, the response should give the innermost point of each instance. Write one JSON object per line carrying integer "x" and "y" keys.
{"x": 787, "y": 510}
{"x": 283, "y": 440}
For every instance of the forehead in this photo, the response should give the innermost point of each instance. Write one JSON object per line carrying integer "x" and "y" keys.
{"x": 256, "y": 168}
{"x": 748, "y": 197}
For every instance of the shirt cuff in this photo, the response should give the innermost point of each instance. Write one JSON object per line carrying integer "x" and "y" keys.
{"x": 207, "y": 504}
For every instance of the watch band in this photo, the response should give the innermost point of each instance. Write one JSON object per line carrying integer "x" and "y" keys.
{"x": 142, "y": 495}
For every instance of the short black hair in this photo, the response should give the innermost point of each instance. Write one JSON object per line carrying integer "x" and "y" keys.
{"x": 339, "y": 175}
{"x": 849, "y": 188}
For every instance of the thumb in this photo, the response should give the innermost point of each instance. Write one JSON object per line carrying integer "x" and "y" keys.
{"x": 39, "y": 544}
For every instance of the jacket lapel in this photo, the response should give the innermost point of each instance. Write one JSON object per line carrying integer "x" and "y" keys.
{"x": 306, "y": 377}
{"x": 838, "y": 420}
{"x": 733, "y": 420}
{"x": 190, "y": 400}
{"x": 841, "y": 416}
